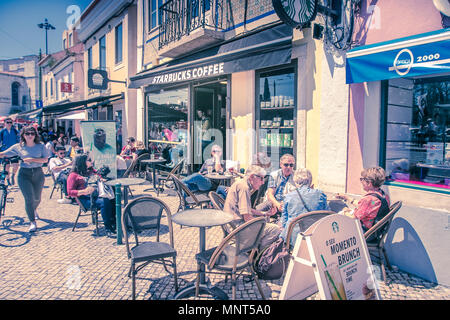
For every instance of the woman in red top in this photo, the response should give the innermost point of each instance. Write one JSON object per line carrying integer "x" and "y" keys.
{"x": 129, "y": 150}
{"x": 77, "y": 187}
{"x": 374, "y": 205}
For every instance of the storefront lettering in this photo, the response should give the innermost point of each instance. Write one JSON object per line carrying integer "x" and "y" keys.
{"x": 200, "y": 72}
{"x": 349, "y": 255}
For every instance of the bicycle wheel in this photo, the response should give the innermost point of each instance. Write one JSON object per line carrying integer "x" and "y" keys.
{"x": 2, "y": 201}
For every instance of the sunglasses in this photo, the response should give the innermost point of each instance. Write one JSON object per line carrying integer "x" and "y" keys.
{"x": 29, "y": 134}
{"x": 8, "y": 122}
{"x": 364, "y": 179}
{"x": 216, "y": 151}
{"x": 288, "y": 165}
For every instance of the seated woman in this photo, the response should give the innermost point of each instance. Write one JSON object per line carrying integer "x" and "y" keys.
{"x": 77, "y": 187}
{"x": 302, "y": 200}
{"x": 197, "y": 181}
{"x": 374, "y": 205}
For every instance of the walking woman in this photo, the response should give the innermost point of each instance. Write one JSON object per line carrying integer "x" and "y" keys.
{"x": 30, "y": 177}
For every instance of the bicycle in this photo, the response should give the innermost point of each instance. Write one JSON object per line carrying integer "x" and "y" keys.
{"x": 4, "y": 186}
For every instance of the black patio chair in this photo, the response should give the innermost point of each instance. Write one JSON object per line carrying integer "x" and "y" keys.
{"x": 376, "y": 236}
{"x": 164, "y": 177}
{"x": 191, "y": 200}
{"x": 234, "y": 254}
{"x": 56, "y": 186}
{"x": 258, "y": 195}
{"x": 302, "y": 222}
{"x": 218, "y": 202}
{"x": 83, "y": 211}
{"x": 141, "y": 214}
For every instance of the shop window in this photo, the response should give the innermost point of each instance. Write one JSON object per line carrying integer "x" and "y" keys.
{"x": 418, "y": 131}
{"x": 275, "y": 114}
{"x": 167, "y": 121}
{"x": 102, "y": 53}
{"x": 119, "y": 43}
{"x": 15, "y": 93}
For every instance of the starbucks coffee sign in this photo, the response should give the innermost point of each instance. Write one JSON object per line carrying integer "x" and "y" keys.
{"x": 295, "y": 13}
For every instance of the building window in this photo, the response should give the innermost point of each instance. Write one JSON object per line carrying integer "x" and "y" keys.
{"x": 417, "y": 131}
{"x": 15, "y": 93}
{"x": 46, "y": 89}
{"x": 153, "y": 12}
{"x": 119, "y": 43}
{"x": 24, "y": 100}
{"x": 51, "y": 87}
{"x": 70, "y": 40}
{"x": 64, "y": 44}
{"x": 102, "y": 53}
{"x": 89, "y": 58}
{"x": 167, "y": 120}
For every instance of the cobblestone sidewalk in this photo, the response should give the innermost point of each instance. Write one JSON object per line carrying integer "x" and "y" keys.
{"x": 56, "y": 263}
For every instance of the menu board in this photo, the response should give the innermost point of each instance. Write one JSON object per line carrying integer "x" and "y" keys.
{"x": 331, "y": 257}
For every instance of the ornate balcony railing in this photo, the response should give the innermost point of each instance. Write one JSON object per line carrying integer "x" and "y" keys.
{"x": 179, "y": 18}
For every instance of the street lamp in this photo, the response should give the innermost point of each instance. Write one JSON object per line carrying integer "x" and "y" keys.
{"x": 46, "y": 26}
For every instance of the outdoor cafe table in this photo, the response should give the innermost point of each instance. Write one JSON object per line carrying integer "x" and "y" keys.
{"x": 153, "y": 163}
{"x": 125, "y": 183}
{"x": 202, "y": 218}
{"x": 224, "y": 179}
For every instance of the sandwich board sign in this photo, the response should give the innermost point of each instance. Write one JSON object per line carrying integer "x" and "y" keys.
{"x": 331, "y": 257}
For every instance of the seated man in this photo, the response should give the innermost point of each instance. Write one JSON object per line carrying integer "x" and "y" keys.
{"x": 374, "y": 205}
{"x": 280, "y": 183}
{"x": 238, "y": 203}
{"x": 302, "y": 200}
{"x": 197, "y": 181}
{"x": 74, "y": 148}
{"x": 60, "y": 169}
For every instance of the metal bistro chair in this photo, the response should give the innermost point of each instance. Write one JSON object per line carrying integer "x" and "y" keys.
{"x": 135, "y": 170}
{"x": 375, "y": 237}
{"x": 191, "y": 200}
{"x": 234, "y": 254}
{"x": 218, "y": 202}
{"x": 144, "y": 213}
{"x": 83, "y": 211}
{"x": 163, "y": 177}
{"x": 303, "y": 222}
{"x": 56, "y": 186}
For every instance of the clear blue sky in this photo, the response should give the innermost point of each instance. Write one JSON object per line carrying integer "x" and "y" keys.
{"x": 19, "y": 33}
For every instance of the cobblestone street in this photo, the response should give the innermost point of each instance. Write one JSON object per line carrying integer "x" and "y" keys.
{"x": 56, "y": 263}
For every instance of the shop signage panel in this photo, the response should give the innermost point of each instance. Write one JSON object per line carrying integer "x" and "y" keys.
{"x": 331, "y": 257}
{"x": 408, "y": 61}
{"x": 209, "y": 70}
{"x": 295, "y": 13}
{"x": 99, "y": 138}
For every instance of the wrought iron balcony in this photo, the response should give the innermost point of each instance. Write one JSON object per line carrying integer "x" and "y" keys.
{"x": 180, "y": 18}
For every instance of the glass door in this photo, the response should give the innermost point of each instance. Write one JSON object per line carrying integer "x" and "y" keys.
{"x": 276, "y": 113}
{"x": 209, "y": 125}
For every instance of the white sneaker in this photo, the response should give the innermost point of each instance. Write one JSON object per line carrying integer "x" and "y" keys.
{"x": 64, "y": 201}
{"x": 33, "y": 227}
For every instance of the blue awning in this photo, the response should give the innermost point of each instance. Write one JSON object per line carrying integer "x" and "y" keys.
{"x": 419, "y": 55}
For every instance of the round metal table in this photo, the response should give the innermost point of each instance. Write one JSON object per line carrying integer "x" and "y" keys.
{"x": 202, "y": 218}
{"x": 152, "y": 162}
{"x": 125, "y": 183}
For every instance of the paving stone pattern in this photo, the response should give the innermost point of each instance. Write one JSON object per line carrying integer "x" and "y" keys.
{"x": 56, "y": 263}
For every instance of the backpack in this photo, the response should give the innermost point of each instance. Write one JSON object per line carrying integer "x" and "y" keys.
{"x": 271, "y": 262}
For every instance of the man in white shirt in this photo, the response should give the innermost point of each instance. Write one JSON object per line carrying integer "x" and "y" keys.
{"x": 59, "y": 169}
